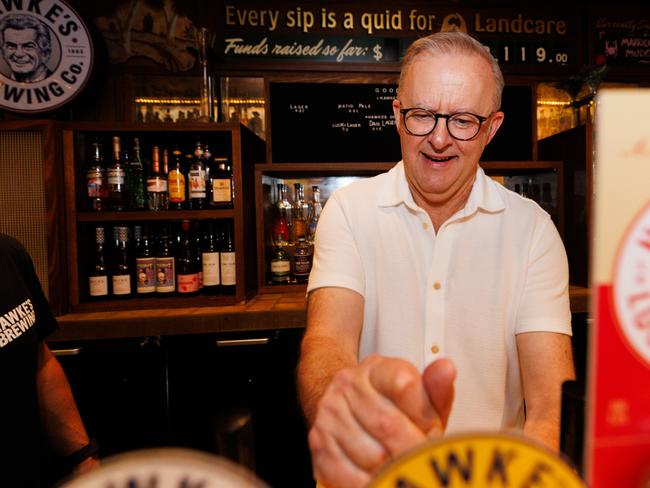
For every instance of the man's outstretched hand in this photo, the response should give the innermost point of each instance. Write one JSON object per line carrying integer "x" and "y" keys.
{"x": 375, "y": 411}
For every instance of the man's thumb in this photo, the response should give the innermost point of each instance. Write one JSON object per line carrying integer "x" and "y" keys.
{"x": 438, "y": 379}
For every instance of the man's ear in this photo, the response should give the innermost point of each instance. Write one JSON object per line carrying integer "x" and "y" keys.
{"x": 396, "y": 114}
{"x": 495, "y": 122}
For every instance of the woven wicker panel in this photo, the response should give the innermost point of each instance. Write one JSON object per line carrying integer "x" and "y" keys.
{"x": 22, "y": 195}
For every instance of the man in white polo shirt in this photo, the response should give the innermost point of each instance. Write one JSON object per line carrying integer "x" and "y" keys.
{"x": 438, "y": 300}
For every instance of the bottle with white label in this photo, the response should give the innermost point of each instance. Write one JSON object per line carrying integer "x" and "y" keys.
{"x": 122, "y": 266}
{"x": 157, "y": 184}
{"x": 227, "y": 258}
{"x": 220, "y": 184}
{"x": 116, "y": 175}
{"x": 280, "y": 264}
{"x": 98, "y": 278}
{"x": 210, "y": 262}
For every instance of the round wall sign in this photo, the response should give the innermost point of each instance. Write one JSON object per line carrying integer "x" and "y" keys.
{"x": 46, "y": 55}
{"x": 631, "y": 286}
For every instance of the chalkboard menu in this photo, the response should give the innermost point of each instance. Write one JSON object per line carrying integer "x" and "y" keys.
{"x": 624, "y": 39}
{"x": 333, "y": 122}
{"x": 341, "y": 122}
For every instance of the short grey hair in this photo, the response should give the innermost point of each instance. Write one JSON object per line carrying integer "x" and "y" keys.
{"x": 454, "y": 42}
{"x": 22, "y": 21}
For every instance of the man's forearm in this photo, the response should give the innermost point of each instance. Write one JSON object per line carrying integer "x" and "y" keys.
{"x": 57, "y": 406}
{"x": 546, "y": 432}
{"x": 320, "y": 359}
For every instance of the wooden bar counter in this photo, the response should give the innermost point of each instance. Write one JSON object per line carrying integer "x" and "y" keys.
{"x": 263, "y": 312}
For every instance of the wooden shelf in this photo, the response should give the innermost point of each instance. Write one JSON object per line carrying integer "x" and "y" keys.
{"x": 130, "y": 216}
{"x": 155, "y": 302}
{"x": 244, "y": 150}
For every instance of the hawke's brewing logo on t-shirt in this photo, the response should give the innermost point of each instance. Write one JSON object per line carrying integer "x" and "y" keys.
{"x": 46, "y": 55}
{"x": 16, "y": 322}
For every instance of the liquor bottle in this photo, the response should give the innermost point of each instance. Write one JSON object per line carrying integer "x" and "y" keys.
{"x": 165, "y": 265}
{"x": 220, "y": 184}
{"x": 197, "y": 239}
{"x": 157, "y": 184}
{"x": 207, "y": 164}
{"x": 301, "y": 213}
{"x": 176, "y": 182}
{"x": 122, "y": 266}
{"x": 196, "y": 180}
{"x": 302, "y": 260}
{"x": 187, "y": 272}
{"x": 145, "y": 264}
{"x": 280, "y": 264}
{"x": 98, "y": 278}
{"x": 135, "y": 178}
{"x": 165, "y": 163}
{"x": 117, "y": 190}
{"x": 282, "y": 218}
{"x": 210, "y": 261}
{"x": 96, "y": 180}
{"x": 316, "y": 209}
{"x": 227, "y": 260}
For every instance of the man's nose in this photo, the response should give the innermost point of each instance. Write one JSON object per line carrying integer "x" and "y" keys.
{"x": 439, "y": 137}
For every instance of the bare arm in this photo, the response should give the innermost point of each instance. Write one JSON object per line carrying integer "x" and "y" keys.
{"x": 331, "y": 342}
{"x": 546, "y": 361}
{"x": 58, "y": 409}
{"x": 362, "y": 414}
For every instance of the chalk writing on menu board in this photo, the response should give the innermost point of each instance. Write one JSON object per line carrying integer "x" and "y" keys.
{"x": 624, "y": 41}
{"x": 341, "y": 122}
{"x": 333, "y": 122}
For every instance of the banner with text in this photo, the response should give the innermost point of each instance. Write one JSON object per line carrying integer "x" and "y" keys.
{"x": 345, "y": 33}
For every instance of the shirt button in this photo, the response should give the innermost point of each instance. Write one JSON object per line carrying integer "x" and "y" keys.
{"x": 425, "y": 226}
{"x": 435, "y": 349}
{"x": 436, "y": 285}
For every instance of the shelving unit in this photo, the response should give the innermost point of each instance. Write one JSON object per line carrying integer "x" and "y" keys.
{"x": 334, "y": 175}
{"x": 328, "y": 176}
{"x": 240, "y": 145}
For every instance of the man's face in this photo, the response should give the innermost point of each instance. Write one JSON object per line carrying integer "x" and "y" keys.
{"x": 438, "y": 167}
{"x": 21, "y": 51}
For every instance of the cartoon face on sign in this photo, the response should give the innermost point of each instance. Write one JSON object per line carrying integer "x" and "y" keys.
{"x": 26, "y": 46}
{"x": 46, "y": 55}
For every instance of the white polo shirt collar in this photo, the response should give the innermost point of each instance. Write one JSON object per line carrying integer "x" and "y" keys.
{"x": 484, "y": 194}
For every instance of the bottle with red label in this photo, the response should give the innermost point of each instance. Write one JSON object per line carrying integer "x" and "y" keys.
{"x": 282, "y": 218}
{"x": 187, "y": 271}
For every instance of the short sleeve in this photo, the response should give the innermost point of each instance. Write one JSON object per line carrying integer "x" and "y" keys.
{"x": 545, "y": 305}
{"x": 23, "y": 267}
{"x": 337, "y": 262}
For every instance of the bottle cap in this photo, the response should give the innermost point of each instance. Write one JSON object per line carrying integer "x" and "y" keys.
{"x": 99, "y": 235}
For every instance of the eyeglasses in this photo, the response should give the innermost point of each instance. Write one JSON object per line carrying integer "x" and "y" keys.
{"x": 462, "y": 126}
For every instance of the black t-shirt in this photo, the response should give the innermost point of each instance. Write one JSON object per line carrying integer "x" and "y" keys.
{"x": 25, "y": 320}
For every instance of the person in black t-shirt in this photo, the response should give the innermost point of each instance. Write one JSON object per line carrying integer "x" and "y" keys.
{"x": 37, "y": 407}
